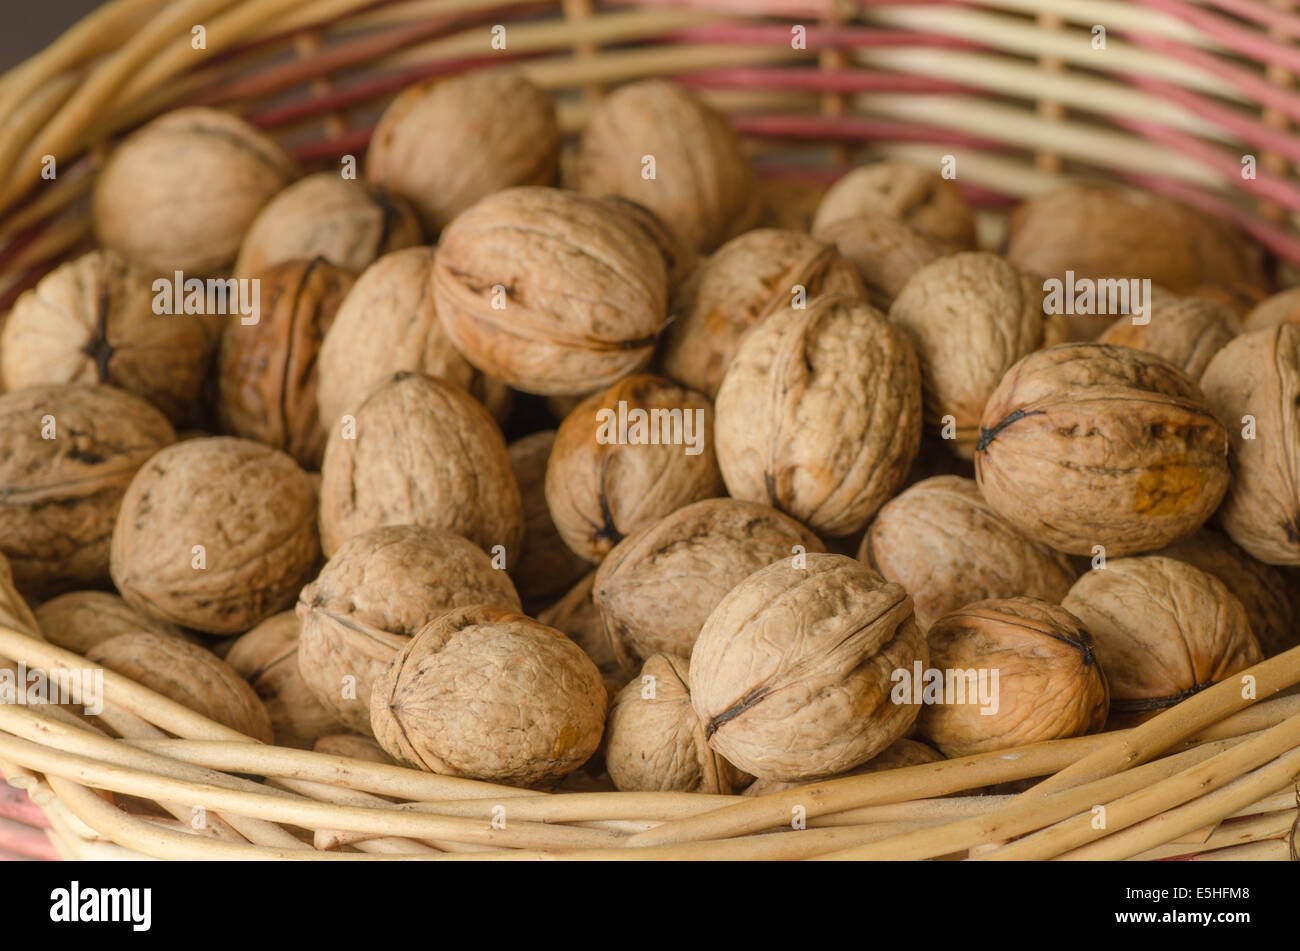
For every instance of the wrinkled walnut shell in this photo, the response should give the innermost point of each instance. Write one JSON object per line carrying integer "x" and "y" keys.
{"x": 80, "y": 620}
{"x": 925, "y": 201}
{"x": 885, "y": 252}
{"x": 679, "y": 259}
{"x": 1186, "y": 331}
{"x": 546, "y": 565}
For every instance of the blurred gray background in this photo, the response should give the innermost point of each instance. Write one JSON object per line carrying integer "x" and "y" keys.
{"x": 30, "y": 25}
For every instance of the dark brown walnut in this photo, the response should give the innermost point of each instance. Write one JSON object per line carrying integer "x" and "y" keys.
{"x": 819, "y": 414}
{"x": 92, "y": 321}
{"x": 267, "y": 657}
{"x": 1092, "y": 444}
{"x": 188, "y": 674}
{"x": 885, "y": 252}
{"x": 923, "y": 200}
{"x": 1103, "y": 231}
{"x": 215, "y": 534}
{"x": 179, "y": 193}
{"x": 490, "y": 694}
{"x": 79, "y": 620}
{"x": 1007, "y": 673}
{"x": 1186, "y": 331}
{"x": 1281, "y": 308}
{"x": 941, "y": 541}
{"x": 700, "y": 184}
{"x": 970, "y": 317}
{"x": 550, "y": 291}
{"x": 327, "y": 216}
{"x": 658, "y": 586}
{"x": 420, "y": 147}
{"x": 576, "y": 615}
{"x": 372, "y": 596}
{"x": 546, "y": 566}
{"x": 1253, "y": 385}
{"x": 267, "y": 370}
{"x": 420, "y": 451}
{"x": 791, "y": 674}
{"x": 1263, "y": 590}
{"x": 1163, "y": 630}
{"x": 679, "y": 259}
{"x": 625, "y": 458}
{"x": 386, "y": 324}
{"x": 67, "y": 454}
{"x": 746, "y": 279}
{"x": 351, "y": 746}
{"x": 898, "y": 754}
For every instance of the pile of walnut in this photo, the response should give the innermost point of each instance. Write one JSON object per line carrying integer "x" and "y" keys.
{"x": 327, "y": 499}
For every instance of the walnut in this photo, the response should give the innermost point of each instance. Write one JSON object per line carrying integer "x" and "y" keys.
{"x": 898, "y": 754}
{"x": 658, "y": 586}
{"x": 179, "y": 193}
{"x": 215, "y": 534}
{"x": 378, "y": 589}
{"x": 327, "y": 216}
{"x": 791, "y": 672}
{"x": 941, "y": 541}
{"x": 549, "y": 291}
{"x": 351, "y": 746}
{"x": 819, "y": 414}
{"x": 188, "y": 674}
{"x": 1008, "y": 673}
{"x": 546, "y": 565}
{"x": 885, "y": 252}
{"x": 1186, "y": 331}
{"x": 490, "y": 694}
{"x": 60, "y": 495}
{"x": 626, "y": 457}
{"x": 424, "y": 142}
{"x": 267, "y": 657}
{"x": 80, "y": 620}
{"x": 92, "y": 321}
{"x": 926, "y": 201}
{"x": 970, "y": 316}
{"x": 679, "y": 259}
{"x": 267, "y": 370}
{"x": 1237, "y": 298}
{"x": 746, "y": 279}
{"x": 422, "y": 452}
{"x": 656, "y": 143}
{"x": 1092, "y": 444}
{"x": 1283, "y": 307}
{"x": 1253, "y": 385}
{"x": 1163, "y": 630}
{"x": 577, "y": 616}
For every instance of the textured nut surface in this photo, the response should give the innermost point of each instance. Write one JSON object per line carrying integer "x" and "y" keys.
{"x": 59, "y": 496}
{"x": 179, "y": 193}
{"x": 941, "y": 541}
{"x": 423, "y": 453}
{"x": 547, "y": 565}
{"x": 924, "y": 200}
{"x": 1186, "y": 331}
{"x": 92, "y": 321}
{"x": 885, "y": 252}
{"x": 1048, "y": 682}
{"x": 1283, "y": 307}
{"x": 791, "y": 673}
{"x": 658, "y": 586}
{"x": 79, "y": 620}
{"x": 374, "y": 594}
{"x": 601, "y": 487}
{"x": 679, "y": 259}
{"x": 746, "y": 279}
{"x": 819, "y": 414}
{"x": 188, "y": 674}
{"x": 898, "y": 754}
{"x": 490, "y": 694}
{"x": 1163, "y": 630}
{"x": 1093, "y": 444}
{"x": 251, "y": 509}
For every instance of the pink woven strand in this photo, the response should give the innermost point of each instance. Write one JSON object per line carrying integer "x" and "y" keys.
{"x": 819, "y": 38}
{"x": 856, "y": 129}
{"x": 1240, "y": 39}
{"x": 1260, "y": 13}
{"x": 807, "y": 79}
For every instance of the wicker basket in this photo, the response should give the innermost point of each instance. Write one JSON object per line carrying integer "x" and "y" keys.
{"x": 1018, "y": 90}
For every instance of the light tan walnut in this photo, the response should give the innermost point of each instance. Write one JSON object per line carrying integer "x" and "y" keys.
{"x": 1186, "y": 331}
{"x": 924, "y": 200}
{"x": 1282, "y": 307}
{"x": 79, "y": 620}
{"x": 885, "y": 252}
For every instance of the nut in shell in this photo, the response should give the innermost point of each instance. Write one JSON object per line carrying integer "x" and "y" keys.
{"x": 924, "y": 200}
{"x": 885, "y": 252}
{"x": 79, "y": 620}
{"x": 1186, "y": 331}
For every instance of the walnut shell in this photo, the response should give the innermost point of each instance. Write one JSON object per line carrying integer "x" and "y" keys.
{"x": 267, "y": 657}
{"x": 679, "y": 259}
{"x": 267, "y": 370}
{"x": 885, "y": 253}
{"x": 59, "y": 496}
{"x": 791, "y": 672}
{"x": 179, "y": 193}
{"x": 80, "y": 620}
{"x": 1163, "y": 631}
{"x": 423, "y": 452}
{"x": 92, "y": 321}
{"x": 1014, "y": 671}
{"x": 577, "y": 616}
{"x": 970, "y": 317}
{"x": 658, "y": 586}
{"x": 378, "y": 589}
{"x": 327, "y": 216}
{"x": 546, "y": 565}
{"x": 188, "y": 674}
{"x": 1283, "y": 307}
{"x": 1253, "y": 385}
{"x": 702, "y": 185}
{"x": 602, "y": 483}
{"x": 422, "y": 144}
{"x": 746, "y": 279}
{"x": 925, "y": 201}
{"x": 941, "y": 541}
{"x": 898, "y": 754}
{"x": 215, "y": 534}
{"x": 549, "y": 291}
{"x": 490, "y": 694}
{"x": 1092, "y": 444}
{"x": 1186, "y": 331}
{"x": 819, "y": 414}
